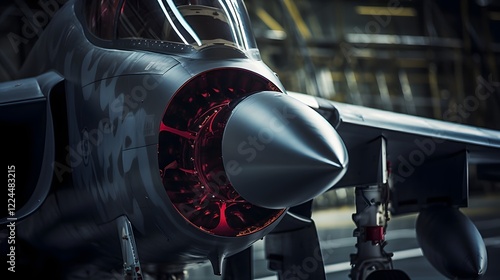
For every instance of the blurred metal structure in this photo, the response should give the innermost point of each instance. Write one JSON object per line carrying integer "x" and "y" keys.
{"x": 425, "y": 58}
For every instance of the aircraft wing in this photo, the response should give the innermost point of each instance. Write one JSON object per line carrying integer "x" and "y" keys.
{"x": 429, "y": 161}
{"x": 28, "y": 149}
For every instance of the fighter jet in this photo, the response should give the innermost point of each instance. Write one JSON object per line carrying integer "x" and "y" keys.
{"x": 143, "y": 137}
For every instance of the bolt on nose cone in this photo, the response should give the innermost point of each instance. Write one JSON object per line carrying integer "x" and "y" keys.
{"x": 278, "y": 152}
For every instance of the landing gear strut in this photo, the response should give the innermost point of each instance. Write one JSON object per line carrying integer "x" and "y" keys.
{"x": 131, "y": 265}
{"x": 371, "y": 219}
{"x": 372, "y": 262}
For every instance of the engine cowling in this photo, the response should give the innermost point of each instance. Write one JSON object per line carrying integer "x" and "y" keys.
{"x": 230, "y": 166}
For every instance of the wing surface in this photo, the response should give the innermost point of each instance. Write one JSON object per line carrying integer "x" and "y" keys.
{"x": 429, "y": 161}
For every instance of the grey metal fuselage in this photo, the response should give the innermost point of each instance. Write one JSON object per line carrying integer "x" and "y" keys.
{"x": 115, "y": 100}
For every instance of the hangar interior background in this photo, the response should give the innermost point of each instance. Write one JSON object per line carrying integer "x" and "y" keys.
{"x": 436, "y": 59}
{"x": 415, "y": 57}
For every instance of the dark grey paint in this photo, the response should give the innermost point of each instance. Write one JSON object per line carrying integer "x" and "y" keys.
{"x": 279, "y": 153}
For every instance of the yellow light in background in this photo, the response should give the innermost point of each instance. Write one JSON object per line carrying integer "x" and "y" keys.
{"x": 268, "y": 20}
{"x": 299, "y": 21}
{"x": 386, "y": 11}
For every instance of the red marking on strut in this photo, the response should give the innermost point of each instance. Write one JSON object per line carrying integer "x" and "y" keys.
{"x": 374, "y": 233}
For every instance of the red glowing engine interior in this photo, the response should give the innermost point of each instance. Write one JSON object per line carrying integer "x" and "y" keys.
{"x": 190, "y": 153}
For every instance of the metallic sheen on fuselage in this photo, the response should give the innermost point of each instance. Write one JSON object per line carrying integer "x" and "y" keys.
{"x": 115, "y": 100}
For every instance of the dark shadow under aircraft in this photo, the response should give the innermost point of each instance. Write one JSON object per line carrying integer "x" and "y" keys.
{"x": 142, "y": 137}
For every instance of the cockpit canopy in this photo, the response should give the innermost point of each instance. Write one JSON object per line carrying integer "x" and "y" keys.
{"x": 193, "y": 23}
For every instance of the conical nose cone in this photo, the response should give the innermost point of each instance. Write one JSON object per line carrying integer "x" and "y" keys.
{"x": 278, "y": 153}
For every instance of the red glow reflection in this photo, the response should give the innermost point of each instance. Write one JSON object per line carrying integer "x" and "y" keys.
{"x": 190, "y": 154}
